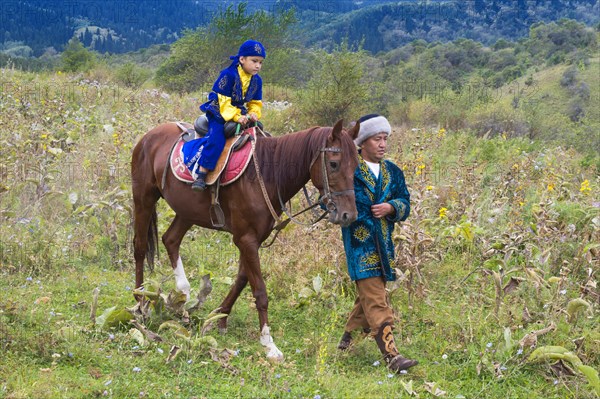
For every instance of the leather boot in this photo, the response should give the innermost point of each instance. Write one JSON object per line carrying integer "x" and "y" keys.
{"x": 200, "y": 183}
{"x": 346, "y": 339}
{"x": 385, "y": 341}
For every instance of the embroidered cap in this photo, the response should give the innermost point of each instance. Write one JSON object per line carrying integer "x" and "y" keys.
{"x": 251, "y": 48}
{"x": 370, "y": 125}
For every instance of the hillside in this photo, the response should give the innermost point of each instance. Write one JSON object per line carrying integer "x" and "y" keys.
{"x": 32, "y": 28}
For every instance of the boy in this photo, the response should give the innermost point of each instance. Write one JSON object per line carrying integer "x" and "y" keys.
{"x": 236, "y": 96}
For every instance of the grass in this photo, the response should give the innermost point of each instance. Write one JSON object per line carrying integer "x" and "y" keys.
{"x": 514, "y": 208}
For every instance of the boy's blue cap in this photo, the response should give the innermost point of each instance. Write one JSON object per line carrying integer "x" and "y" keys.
{"x": 251, "y": 48}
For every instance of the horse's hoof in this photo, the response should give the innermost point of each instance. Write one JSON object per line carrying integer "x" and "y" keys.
{"x": 274, "y": 355}
{"x": 222, "y": 330}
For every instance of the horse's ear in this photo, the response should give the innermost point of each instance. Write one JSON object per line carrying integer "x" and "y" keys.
{"x": 337, "y": 129}
{"x": 353, "y": 132}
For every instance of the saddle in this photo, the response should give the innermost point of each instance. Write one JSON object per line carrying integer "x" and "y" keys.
{"x": 232, "y": 162}
{"x": 230, "y": 128}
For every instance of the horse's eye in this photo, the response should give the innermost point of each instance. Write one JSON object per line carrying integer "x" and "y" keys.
{"x": 334, "y": 165}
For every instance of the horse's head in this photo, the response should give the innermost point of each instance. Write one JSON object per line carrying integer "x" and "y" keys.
{"x": 332, "y": 172}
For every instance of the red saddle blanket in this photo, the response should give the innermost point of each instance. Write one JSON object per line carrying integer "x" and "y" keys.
{"x": 230, "y": 166}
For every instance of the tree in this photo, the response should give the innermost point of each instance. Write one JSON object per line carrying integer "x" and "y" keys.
{"x": 77, "y": 58}
{"x": 197, "y": 57}
{"x": 336, "y": 89}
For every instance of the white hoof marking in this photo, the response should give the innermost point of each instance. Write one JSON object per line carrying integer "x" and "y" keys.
{"x": 273, "y": 352}
{"x": 181, "y": 282}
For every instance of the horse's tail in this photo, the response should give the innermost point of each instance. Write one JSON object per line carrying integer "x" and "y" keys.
{"x": 152, "y": 239}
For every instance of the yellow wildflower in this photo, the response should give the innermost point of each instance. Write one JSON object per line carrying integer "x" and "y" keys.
{"x": 585, "y": 187}
{"x": 44, "y": 136}
{"x": 442, "y": 213}
{"x": 420, "y": 169}
{"x": 515, "y": 166}
{"x": 429, "y": 188}
{"x": 550, "y": 187}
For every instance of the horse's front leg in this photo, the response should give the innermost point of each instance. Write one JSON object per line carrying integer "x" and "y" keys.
{"x": 248, "y": 246}
{"x": 236, "y": 289}
{"x": 172, "y": 241}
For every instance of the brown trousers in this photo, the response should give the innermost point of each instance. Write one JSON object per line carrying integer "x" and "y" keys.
{"x": 371, "y": 307}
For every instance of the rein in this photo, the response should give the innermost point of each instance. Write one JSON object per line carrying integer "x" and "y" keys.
{"x": 328, "y": 195}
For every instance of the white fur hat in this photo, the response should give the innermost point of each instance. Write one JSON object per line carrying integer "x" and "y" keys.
{"x": 370, "y": 125}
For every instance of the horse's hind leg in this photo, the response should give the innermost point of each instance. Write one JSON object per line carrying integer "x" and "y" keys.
{"x": 172, "y": 241}
{"x": 144, "y": 241}
{"x": 236, "y": 289}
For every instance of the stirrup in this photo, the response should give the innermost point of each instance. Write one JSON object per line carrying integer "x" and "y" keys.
{"x": 199, "y": 184}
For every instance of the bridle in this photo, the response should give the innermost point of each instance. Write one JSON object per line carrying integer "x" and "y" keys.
{"x": 328, "y": 195}
{"x": 326, "y": 200}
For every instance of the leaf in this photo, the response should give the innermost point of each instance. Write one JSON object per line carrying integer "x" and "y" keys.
{"x": 408, "y": 387}
{"x": 146, "y": 294}
{"x": 73, "y": 198}
{"x": 175, "y": 301}
{"x": 67, "y": 333}
{"x": 432, "y": 388}
{"x": 151, "y": 335}
{"x": 560, "y": 369}
{"x": 554, "y": 353}
{"x": 210, "y": 319}
{"x": 512, "y": 285}
{"x": 206, "y": 342}
{"x": 575, "y": 306}
{"x": 137, "y": 336}
{"x": 173, "y": 353}
{"x": 317, "y": 283}
{"x": 54, "y": 150}
{"x": 592, "y": 376}
{"x": 178, "y": 329}
{"x": 493, "y": 264}
{"x": 205, "y": 289}
{"x": 112, "y": 317}
{"x": 95, "y": 294}
{"x": 224, "y": 280}
{"x": 305, "y": 292}
{"x": 508, "y": 341}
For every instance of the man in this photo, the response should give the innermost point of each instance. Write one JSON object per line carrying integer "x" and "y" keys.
{"x": 381, "y": 200}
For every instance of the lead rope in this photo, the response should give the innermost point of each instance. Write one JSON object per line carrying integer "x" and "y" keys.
{"x": 262, "y": 184}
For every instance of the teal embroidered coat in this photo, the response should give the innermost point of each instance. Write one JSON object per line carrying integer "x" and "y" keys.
{"x": 368, "y": 240}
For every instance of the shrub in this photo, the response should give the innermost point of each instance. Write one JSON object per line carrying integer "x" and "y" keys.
{"x": 569, "y": 77}
{"x": 336, "y": 89}
{"x": 131, "y": 75}
{"x": 77, "y": 58}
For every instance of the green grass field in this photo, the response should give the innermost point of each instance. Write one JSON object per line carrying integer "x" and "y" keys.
{"x": 502, "y": 242}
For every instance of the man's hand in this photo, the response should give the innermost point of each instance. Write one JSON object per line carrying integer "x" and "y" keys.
{"x": 242, "y": 120}
{"x": 382, "y": 210}
{"x": 252, "y": 116}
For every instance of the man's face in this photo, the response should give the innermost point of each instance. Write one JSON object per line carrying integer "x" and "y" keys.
{"x": 373, "y": 148}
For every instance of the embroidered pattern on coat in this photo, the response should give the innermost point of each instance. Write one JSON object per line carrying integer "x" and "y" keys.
{"x": 361, "y": 233}
{"x": 223, "y": 82}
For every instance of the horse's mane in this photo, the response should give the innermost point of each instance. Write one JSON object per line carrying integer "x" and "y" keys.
{"x": 291, "y": 155}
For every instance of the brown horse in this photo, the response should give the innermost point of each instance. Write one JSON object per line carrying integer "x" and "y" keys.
{"x": 326, "y": 156}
